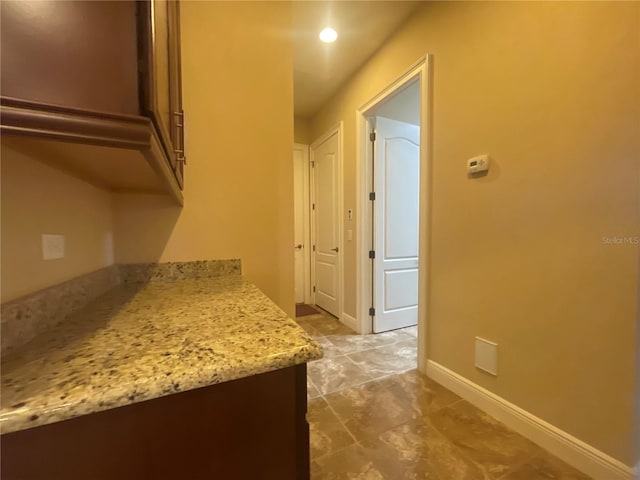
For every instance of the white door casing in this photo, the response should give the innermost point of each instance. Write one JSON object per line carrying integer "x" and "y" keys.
{"x": 396, "y": 222}
{"x": 301, "y": 222}
{"x": 421, "y": 71}
{"x": 325, "y": 162}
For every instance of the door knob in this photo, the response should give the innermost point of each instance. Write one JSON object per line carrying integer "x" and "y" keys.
{"x": 298, "y": 247}
{"x": 335, "y": 249}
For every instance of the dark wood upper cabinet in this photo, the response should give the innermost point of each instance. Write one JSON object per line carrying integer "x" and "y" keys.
{"x": 99, "y": 74}
{"x": 76, "y": 54}
{"x": 160, "y": 75}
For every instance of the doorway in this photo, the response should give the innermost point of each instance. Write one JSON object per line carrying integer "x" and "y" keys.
{"x": 326, "y": 221}
{"x": 396, "y": 187}
{"x": 301, "y": 223}
{"x": 376, "y": 286}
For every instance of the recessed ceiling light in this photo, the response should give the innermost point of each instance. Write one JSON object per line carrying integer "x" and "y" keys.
{"x": 328, "y": 35}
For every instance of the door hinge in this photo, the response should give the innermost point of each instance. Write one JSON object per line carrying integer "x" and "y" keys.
{"x": 372, "y": 136}
{"x": 372, "y": 254}
{"x": 313, "y": 164}
{"x": 314, "y": 249}
{"x": 314, "y": 289}
{"x": 313, "y": 206}
{"x": 372, "y": 196}
{"x": 372, "y": 312}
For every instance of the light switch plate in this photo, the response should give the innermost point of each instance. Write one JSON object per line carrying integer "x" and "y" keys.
{"x": 52, "y": 246}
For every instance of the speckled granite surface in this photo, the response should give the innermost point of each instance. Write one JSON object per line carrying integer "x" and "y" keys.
{"x": 24, "y": 318}
{"x": 142, "y": 341}
{"x": 150, "y": 272}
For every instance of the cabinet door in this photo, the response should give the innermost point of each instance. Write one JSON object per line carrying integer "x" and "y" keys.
{"x": 79, "y": 54}
{"x": 161, "y": 76}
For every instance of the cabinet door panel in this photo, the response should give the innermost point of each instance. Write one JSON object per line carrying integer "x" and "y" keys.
{"x": 175, "y": 82}
{"x": 160, "y": 60}
{"x": 161, "y": 84}
{"x": 79, "y": 54}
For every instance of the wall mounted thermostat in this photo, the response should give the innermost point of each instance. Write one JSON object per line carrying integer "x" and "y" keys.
{"x": 478, "y": 164}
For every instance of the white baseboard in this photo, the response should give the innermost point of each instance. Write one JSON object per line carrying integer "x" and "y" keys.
{"x": 572, "y": 450}
{"x": 350, "y": 322}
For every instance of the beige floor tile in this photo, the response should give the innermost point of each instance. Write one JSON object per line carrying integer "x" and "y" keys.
{"x": 325, "y": 324}
{"x": 413, "y": 331}
{"x": 426, "y": 396}
{"x": 482, "y": 438}
{"x": 307, "y": 325}
{"x": 352, "y": 343}
{"x": 312, "y": 391}
{"x": 334, "y": 374}
{"x": 414, "y": 450}
{"x": 329, "y": 349}
{"x": 372, "y": 408}
{"x": 544, "y": 467}
{"x": 352, "y": 462}
{"x": 388, "y": 359}
{"x": 326, "y": 432}
{"x": 315, "y": 471}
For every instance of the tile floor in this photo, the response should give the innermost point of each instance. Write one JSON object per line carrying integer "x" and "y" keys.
{"x": 373, "y": 416}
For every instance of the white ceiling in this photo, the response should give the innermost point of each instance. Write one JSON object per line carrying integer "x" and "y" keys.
{"x": 319, "y": 69}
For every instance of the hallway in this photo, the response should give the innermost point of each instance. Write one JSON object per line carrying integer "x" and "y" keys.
{"x": 373, "y": 416}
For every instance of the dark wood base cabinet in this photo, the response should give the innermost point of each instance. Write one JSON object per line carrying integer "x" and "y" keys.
{"x": 253, "y": 428}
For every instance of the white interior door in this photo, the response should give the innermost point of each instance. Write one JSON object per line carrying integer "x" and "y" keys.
{"x": 326, "y": 228}
{"x": 301, "y": 228}
{"x": 396, "y": 220}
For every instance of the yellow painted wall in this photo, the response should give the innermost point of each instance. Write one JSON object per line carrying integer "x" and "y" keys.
{"x": 302, "y": 131}
{"x": 551, "y": 91}
{"x": 238, "y": 197}
{"x": 36, "y": 200}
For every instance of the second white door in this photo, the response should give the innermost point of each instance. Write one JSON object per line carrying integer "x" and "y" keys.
{"x": 301, "y": 230}
{"x": 326, "y": 253}
{"x": 396, "y": 219}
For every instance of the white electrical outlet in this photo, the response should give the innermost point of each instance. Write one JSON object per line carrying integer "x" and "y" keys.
{"x": 487, "y": 356}
{"x": 52, "y": 246}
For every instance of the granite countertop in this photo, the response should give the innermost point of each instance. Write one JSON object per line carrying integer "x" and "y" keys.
{"x": 144, "y": 341}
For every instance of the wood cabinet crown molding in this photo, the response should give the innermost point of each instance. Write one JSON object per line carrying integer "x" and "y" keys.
{"x": 25, "y": 121}
{"x": 23, "y": 117}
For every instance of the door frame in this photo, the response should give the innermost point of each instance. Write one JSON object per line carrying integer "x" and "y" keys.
{"x": 306, "y": 208}
{"x": 421, "y": 71}
{"x": 335, "y": 129}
